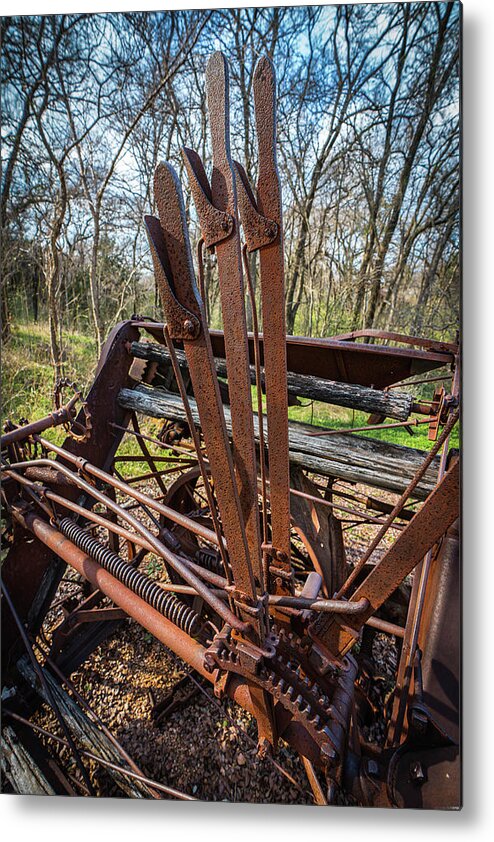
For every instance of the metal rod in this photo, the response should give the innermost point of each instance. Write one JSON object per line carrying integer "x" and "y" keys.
{"x": 158, "y": 547}
{"x": 412, "y": 422}
{"x": 262, "y": 452}
{"x": 173, "y": 459}
{"x": 366, "y": 517}
{"x": 54, "y": 419}
{"x": 171, "y": 514}
{"x": 384, "y": 626}
{"x": 331, "y": 606}
{"x": 419, "y": 382}
{"x": 155, "y": 474}
{"x": 157, "y": 442}
{"x": 197, "y": 443}
{"x": 401, "y": 502}
{"x": 168, "y": 790}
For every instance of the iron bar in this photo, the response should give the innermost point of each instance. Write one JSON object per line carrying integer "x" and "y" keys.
{"x": 411, "y": 422}
{"x": 182, "y": 520}
{"x": 155, "y": 474}
{"x": 197, "y": 443}
{"x": 60, "y": 416}
{"x": 168, "y": 790}
{"x": 385, "y": 626}
{"x": 401, "y": 502}
{"x": 182, "y": 450}
{"x": 299, "y": 602}
{"x": 438, "y": 379}
{"x": 262, "y": 451}
{"x": 157, "y": 546}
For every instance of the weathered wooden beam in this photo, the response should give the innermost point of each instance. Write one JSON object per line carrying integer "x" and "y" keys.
{"x": 391, "y": 404}
{"x": 20, "y": 768}
{"x": 352, "y": 458}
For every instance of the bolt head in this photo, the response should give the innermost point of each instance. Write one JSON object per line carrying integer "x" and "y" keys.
{"x": 373, "y": 768}
{"x": 209, "y": 664}
{"x": 417, "y": 772}
{"x": 328, "y": 754}
{"x": 189, "y": 326}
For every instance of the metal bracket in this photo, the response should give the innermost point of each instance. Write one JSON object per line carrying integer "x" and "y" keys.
{"x": 259, "y": 231}
{"x": 216, "y": 225}
{"x": 182, "y": 323}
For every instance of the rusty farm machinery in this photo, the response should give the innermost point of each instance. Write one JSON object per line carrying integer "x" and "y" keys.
{"x": 263, "y": 598}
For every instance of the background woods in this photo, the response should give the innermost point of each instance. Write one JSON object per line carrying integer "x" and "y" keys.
{"x": 368, "y": 154}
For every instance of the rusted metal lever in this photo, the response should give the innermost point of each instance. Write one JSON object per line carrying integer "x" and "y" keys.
{"x": 216, "y": 205}
{"x": 172, "y": 259}
{"x": 182, "y": 308}
{"x": 262, "y": 223}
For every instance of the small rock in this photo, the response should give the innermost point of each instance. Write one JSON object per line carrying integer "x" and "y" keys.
{"x": 241, "y": 759}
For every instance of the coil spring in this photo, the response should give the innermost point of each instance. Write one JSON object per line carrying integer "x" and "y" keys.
{"x": 163, "y": 601}
{"x": 210, "y": 560}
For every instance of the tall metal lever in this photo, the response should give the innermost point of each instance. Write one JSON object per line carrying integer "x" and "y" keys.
{"x": 173, "y": 266}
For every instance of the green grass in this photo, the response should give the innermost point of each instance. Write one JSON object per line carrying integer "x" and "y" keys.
{"x": 28, "y": 379}
{"x": 28, "y": 373}
{"x": 338, "y": 418}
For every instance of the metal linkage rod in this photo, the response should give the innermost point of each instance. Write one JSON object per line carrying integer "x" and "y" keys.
{"x": 197, "y": 443}
{"x": 178, "y": 518}
{"x": 168, "y": 790}
{"x": 401, "y": 502}
{"x": 54, "y": 419}
{"x": 179, "y": 565}
{"x": 182, "y": 450}
{"x": 260, "y": 421}
{"x": 412, "y": 422}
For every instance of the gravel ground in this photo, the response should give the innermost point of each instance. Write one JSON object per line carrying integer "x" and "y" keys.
{"x": 206, "y": 749}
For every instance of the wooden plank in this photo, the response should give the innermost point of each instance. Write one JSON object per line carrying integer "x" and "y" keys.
{"x": 393, "y": 404}
{"x": 20, "y": 768}
{"x": 352, "y": 458}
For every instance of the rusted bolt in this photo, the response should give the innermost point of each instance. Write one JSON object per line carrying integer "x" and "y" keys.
{"x": 209, "y": 663}
{"x": 417, "y": 773}
{"x": 225, "y": 225}
{"x": 328, "y": 754}
{"x": 372, "y": 768}
{"x": 189, "y": 327}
